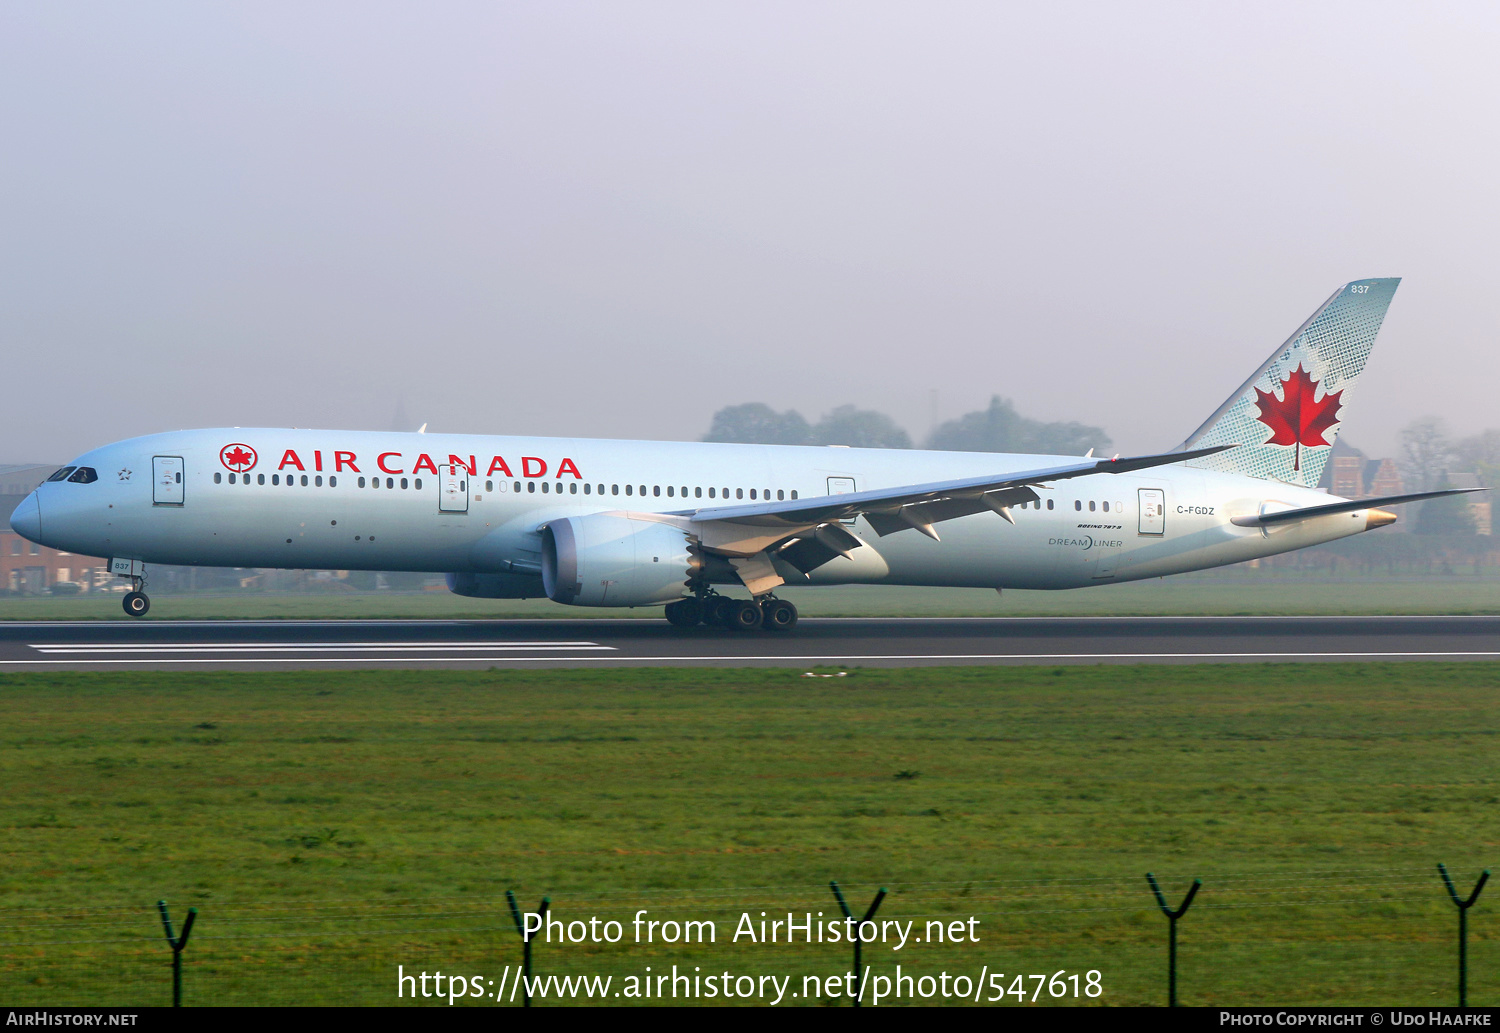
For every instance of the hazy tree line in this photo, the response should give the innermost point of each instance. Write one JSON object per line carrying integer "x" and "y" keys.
{"x": 997, "y": 428}
{"x": 1429, "y": 460}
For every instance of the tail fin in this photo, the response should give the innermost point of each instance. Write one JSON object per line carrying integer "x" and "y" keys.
{"x": 1286, "y": 416}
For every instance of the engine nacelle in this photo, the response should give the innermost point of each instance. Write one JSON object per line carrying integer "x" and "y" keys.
{"x": 496, "y": 586}
{"x": 611, "y": 560}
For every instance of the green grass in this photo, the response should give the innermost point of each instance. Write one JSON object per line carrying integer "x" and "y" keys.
{"x": 333, "y": 825}
{"x": 1229, "y": 594}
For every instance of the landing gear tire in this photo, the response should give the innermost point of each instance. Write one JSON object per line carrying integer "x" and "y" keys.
{"x": 685, "y": 613}
{"x": 136, "y": 604}
{"x": 746, "y": 615}
{"x": 779, "y": 615}
{"x": 722, "y": 612}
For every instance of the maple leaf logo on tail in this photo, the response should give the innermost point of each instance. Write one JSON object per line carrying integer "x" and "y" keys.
{"x": 1297, "y": 418}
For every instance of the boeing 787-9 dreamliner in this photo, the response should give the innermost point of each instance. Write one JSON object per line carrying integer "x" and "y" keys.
{"x": 683, "y": 524}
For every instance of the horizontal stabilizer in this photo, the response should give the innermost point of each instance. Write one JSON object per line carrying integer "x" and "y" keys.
{"x": 1287, "y": 516}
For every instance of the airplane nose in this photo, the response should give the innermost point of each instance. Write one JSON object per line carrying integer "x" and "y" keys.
{"x": 27, "y": 519}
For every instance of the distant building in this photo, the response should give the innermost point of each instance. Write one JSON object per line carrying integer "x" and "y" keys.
{"x": 27, "y": 568}
{"x": 1351, "y": 474}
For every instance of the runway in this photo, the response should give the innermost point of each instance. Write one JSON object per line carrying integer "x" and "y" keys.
{"x": 911, "y": 641}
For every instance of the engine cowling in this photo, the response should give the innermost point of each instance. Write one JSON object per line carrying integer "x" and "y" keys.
{"x": 496, "y": 586}
{"x": 612, "y": 560}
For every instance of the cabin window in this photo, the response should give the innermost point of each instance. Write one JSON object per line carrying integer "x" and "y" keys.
{"x": 780, "y": 495}
{"x": 333, "y": 482}
{"x": 586, "y": 488}
{"x": 518, "y": 487}
{"x": 231, "y": 478}
{"x": 572, "y": 487}
{"x": 614, "y": 489}
{"x": 655, "y": 490}
{"x": 752, "y": 493}
{"x": 1091, "y": 506}
{"x": 1049, "y": 503}
{"x": 711, "y": 493}
{"x": 260, "y": 478}
{"x": 545, "y": 488}
{"x": 361, "y": 482}
{"x": 403, "y": 484}
{"x": 794, "y": 493}
{"x": 318, "y": 481}
{"x": 643, "y": 489}
{"x": 1119, "y": 507}
{"x": 739, "y": 493}
{"x": 531, "y": 486}
{"x": 670, "y": 491}
{"x": 1106, "y": 507}
{"x": 1077, "y": 505}
{"x": 489, "y": 485}
{"x": 218, "y": 477}
{"x": 684, "y": 491}
{"x": 629, "y": 489}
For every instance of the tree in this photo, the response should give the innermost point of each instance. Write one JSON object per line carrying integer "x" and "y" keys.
{"x": 1425, "y": 453}
{"x": 1480, "y": 455}
{"x": 861, "y": 428}
{"x": 1449, "y": 515}
{"x": 756, "y": 423}
{"x": 1000, "y": 428}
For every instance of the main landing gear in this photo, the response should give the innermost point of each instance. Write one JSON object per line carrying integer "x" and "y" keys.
{"x": 136, "y": 602}
{"x": 769, "y": 613}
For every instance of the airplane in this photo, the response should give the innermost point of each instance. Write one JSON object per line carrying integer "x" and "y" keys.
{"x": 610, "y": 523}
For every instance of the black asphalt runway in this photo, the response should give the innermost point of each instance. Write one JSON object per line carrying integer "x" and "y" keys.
{"x": 343, "y": 644}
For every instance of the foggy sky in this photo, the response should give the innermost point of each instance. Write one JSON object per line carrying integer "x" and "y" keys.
{"x": 613, "y": 219}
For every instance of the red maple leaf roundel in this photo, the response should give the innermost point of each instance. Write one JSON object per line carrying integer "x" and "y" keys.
{"x": 237, "y": 457}
{"x": 1295, "y": 418}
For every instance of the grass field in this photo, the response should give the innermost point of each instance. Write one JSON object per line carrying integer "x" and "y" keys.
{"x": 1229, "y": 594}
{"x": 333, "y": 825}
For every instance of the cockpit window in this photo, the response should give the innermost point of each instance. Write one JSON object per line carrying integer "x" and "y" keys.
{"x": 62, "y": 474}
{"x": 84, "y": 475}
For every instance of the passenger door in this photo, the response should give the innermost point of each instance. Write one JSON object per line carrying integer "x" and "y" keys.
{"x": 842, "y": 486}
{"x": 453, "y": 489}
{"x": 166, "y": 480}
{"x": 1153, "y": 511}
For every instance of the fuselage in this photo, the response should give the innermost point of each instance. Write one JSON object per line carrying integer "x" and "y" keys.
{"x": 472, "y": 504}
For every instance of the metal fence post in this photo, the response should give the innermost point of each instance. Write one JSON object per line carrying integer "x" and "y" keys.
{"x": 1463, "y": 929}
{"x": 177, "y": 943}
{"x": 1172, "y": 917}
{"x": 859, "y": 972}
{"x": 515, "y": 913}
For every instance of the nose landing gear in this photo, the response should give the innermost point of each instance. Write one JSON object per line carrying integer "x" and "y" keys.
{"x": 136, "y": 603}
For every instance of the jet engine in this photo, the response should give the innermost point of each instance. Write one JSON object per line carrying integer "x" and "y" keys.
{"x": 496, "y": 586}
{"x": 612, "y": 560}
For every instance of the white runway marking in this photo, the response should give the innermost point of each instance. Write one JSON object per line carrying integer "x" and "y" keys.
{"x": 798, "y": 660}
{"x": 310, "y": 647}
